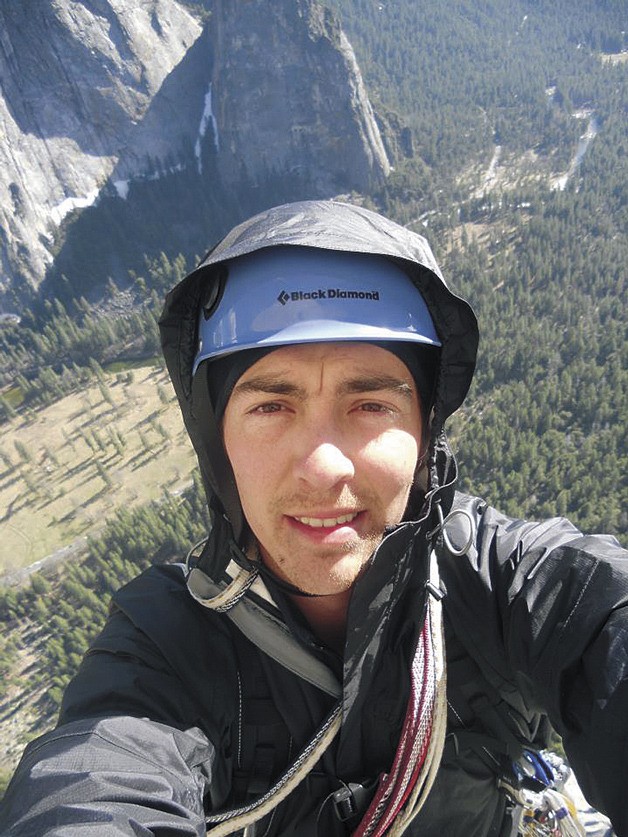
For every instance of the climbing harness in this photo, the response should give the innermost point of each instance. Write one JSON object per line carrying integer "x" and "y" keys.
{"x": 228, "y": 822}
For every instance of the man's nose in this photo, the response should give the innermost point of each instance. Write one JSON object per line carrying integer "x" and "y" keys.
{"x": 324, "y": 466}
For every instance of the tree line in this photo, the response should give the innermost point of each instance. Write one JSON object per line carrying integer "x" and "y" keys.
{"x": 61, "y": 348}
{"x": 65, "y": 612}
{"x": 462, "y": 76}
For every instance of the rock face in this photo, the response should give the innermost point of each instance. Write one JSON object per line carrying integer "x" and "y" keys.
{"x": 77, "y": 80}
{"x": 288, "y": 96}
{"x": 101, "y": 99}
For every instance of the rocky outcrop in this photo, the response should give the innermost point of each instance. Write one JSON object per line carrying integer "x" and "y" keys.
{"x": 288, "y": 96}
{"x": 101, "y": 99}
{"x": 77, "y": 80}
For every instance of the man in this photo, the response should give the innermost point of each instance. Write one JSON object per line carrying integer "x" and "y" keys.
{"x": 290, "y": 680}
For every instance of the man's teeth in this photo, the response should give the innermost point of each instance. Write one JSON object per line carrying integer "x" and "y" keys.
{"x": 320, "y": 522}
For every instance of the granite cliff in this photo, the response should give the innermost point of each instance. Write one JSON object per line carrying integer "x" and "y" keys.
{"x": 115, "y": 111}
{"x": 288, "y": 97}
{"x": 77, "y": 81}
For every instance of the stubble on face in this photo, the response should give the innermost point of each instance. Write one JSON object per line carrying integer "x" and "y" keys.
{"x": 317, "y": 432}
{"x": 335, "y": 567}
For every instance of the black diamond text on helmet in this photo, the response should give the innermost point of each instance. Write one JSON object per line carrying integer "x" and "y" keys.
{"x": 330, "y": 293}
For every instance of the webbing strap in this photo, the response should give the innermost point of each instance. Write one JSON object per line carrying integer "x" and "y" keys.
{"x": 272, "y": 637}
{"x": 269, "y": 634}
{"x": 264, "y": 744}
{"x": 228, "y": 822}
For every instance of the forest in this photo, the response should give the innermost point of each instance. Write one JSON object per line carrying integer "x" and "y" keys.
{"x": 543, "y": 430}
{"x": 463, "y": 74}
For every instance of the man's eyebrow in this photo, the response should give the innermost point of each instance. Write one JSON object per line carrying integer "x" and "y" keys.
{"x": 270, "y": 386}
{"x": 376, "y": 383}
{"x": 352, "y": 386}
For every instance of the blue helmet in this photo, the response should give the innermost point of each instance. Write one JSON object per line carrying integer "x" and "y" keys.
{"x": 284, "y": 295}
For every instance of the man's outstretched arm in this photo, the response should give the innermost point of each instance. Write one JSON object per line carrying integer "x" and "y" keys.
{"x": 113, "y": 776}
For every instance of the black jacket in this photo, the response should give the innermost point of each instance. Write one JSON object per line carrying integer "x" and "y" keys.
{"x": 174, "y": 713}
{"x": 152, "y": 727}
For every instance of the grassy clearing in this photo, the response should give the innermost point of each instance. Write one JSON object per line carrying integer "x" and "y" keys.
{"x": 67, "y": 467}
{"x": 614, "y": 57}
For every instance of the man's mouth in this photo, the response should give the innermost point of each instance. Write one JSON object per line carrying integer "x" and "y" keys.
{"x": 327, "y": 522}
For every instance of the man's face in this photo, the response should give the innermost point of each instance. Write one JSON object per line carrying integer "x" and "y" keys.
{"x": 324, "y": 441}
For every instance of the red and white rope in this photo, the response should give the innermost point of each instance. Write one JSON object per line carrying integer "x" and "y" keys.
{"x": 423, "y": 735}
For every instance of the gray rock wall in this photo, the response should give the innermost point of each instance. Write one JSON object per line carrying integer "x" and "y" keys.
{"x": 77, "y": 80}
{"x": 288, "y": 96}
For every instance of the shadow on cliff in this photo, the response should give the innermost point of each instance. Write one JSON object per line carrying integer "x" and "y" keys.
{"x": 181, "y": 205}
{"x": 163, "y": 210}
{"x": 181, "y": 212}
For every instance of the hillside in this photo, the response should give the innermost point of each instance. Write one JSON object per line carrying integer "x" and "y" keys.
{"x": 517, "y": 117}
{"x": 506, "y": 124}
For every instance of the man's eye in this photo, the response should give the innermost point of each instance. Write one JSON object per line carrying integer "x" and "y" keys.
{"x": 270, "y": 407}
{"x": 374, "y": 407}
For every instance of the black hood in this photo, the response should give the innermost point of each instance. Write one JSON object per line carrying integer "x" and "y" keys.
{"x": 328, "y": 225}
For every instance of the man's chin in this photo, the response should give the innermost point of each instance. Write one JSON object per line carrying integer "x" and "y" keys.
{"x": 338, "y": 579}
{"x": 323, "y": 571}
